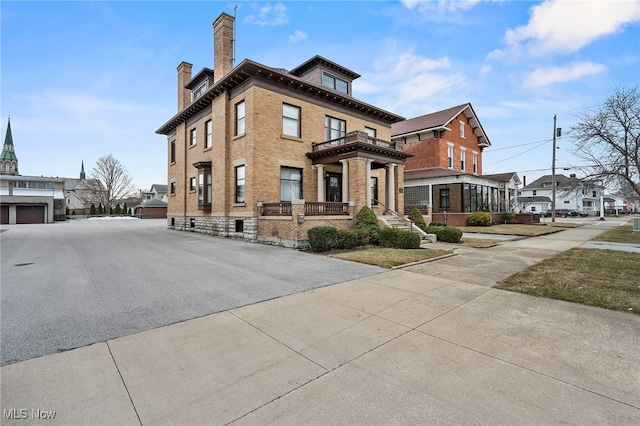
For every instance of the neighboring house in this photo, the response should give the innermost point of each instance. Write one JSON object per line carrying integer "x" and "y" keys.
{"x": 445, "y": 173}
{"x": 27, "y": 199}
{"x": 154, "y": 209}
{"x": 157, "y": 192}
{"x": 79, "y": 195}
{"x": 571, "y": 193}
{"x": 265, "y": 154}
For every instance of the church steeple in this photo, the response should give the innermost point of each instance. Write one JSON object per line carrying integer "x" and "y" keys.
{"x": 8, "y": 159}
{"x": 82, "y": 176}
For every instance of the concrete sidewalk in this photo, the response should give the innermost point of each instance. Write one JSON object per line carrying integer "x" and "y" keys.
{"x": 410, "y": 346}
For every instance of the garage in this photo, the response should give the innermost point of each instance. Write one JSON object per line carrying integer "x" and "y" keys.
{"x": 4, "y": 215}
{"x": 30, "y": 214}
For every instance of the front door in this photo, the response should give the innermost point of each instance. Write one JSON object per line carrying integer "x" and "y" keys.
{"x": 333, "y": 185}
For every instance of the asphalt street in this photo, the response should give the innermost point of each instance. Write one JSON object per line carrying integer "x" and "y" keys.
{"x": 71, "y": 284}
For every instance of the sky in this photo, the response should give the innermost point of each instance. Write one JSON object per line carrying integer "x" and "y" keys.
{"x": 85, "y": 79}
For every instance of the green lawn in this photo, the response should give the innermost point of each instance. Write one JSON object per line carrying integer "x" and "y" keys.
{"x": 389, "y": 257}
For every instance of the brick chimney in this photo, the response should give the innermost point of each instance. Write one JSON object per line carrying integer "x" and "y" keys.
{"x": 184, "y": 76}
{"x": 572, "y": 175}
{"x": 222, "y": 46}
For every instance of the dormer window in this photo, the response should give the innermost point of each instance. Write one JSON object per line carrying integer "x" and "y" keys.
{"x": 195, "y": 94}
{"x": 335, "y": 83}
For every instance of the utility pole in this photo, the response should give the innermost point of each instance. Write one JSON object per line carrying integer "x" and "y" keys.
{"x": 553, "y": 174}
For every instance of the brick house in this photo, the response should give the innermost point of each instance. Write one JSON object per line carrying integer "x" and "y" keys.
{"x": 264, "y": 154}
{"x": 444, "y": 176}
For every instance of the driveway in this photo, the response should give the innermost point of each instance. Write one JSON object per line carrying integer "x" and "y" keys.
{"x": 71, "y": 284}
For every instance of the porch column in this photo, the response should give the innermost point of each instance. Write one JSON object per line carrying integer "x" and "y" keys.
{"x": 320, "y": 181}
{"x": 345, "y": 181}
{"x": 390, "y": 198}
{"x": 367, "y": 182}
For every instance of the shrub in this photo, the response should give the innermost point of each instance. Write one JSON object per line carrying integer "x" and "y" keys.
{"x": 92, "y": 210}
{"x": 448, "y": 234}
{"x": 399, "y": 238}
{"x": 348, "y": 239}
{"x": 508, "y": 217}
{"x": 416, "y": 216}
{"x": 479, "y": 219}
{"x": 367, "y": 226}
{"x": 437, "y": 224}
{"x": 322, "y": 238}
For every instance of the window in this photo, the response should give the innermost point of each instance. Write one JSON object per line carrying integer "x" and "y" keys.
{"x": 193, "y": 137}
{"x": 192, "y": 183}
{"x": 291, "y": 120}
{"x": 335, "y": 83}
{"x": 534, "y": 192}
{"x": 374, "y": 191}
{"x": 595, "y": 194}
{"x": 533, "y": 208}
{"x": 240, "y": 125}
{"x": 462, "y": 129}
{"x": 475, "y": 163}
{"x": 334, "y": 128}
{"x": 208, "y": 129}
{"x": 371, "y": 133}
{"x": 450, "y": 156}
{"x": 416, "y": 195}
{"x": 240, "y": 184}
{"x": 204, "y": 185}
{"x": 173, "y": 188}
{"x": 239, "y": 225}
{"x": 172, "y": 152}
{"x": 463, "y": 159}
{"x": 199, "y": 91}
{"x": 444, "y": 198}
{"x": 290, "y": 184}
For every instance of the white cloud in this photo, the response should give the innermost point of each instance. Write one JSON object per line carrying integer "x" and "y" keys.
{"x": 409, "y": 84}
{"x": 486, "y": 69}
{"x": 268, "y": 15}
{"x": 297, "y": 36}
{"x": 441, "y": 6}
{"x": 564, "y": 26}
{"x": 561, "y": 74}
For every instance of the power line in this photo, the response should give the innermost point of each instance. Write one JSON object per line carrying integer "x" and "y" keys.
{"x": 522, "y": 144}
{"x": 517, "y": 155}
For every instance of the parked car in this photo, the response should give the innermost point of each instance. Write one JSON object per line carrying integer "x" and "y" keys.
{"x": 583, "y": 213}
{"x": 561, "y": 213}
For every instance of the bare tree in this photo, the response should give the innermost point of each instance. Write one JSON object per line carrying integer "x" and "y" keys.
{"x": 109, "y": 181}
{"x": 608, "y": 140}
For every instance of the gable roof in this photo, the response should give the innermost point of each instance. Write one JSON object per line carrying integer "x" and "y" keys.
{"x": 561, "y": 181}
{"x": 439, "y": 120}
{"x": 161, "y": 189}
{"x": 504, "y": 177}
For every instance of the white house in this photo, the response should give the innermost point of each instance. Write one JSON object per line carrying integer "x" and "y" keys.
{"x": 571, "y": 193}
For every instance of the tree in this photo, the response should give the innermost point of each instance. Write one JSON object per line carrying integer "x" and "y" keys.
{"x": 109, "y": 181}
{"x": 608, "y": 140}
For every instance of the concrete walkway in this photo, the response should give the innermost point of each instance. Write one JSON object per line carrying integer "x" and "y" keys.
{"x": 428, "y": 344}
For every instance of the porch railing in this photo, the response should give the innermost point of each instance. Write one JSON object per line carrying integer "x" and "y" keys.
{"x": 310, "y": 209}
{"x": 276, "y": 209}
{"x": 355, "y": 137}
{"x": 321, "y": 209}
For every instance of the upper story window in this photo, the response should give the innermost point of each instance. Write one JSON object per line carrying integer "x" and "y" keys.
{"x": 172, "y": 152}
{"x": 195, "y": 94}
{"x": 462, "y": 129}
{"x": 475, "y": 163}
{"x": 192, "y": 183}
{"x": 463, "y": 159}
{"x": 240, "y": 124}
{"x": 204, "y": 185}
{"x": 335, "y": 83}
{"x": 208, "y": 130}
{"x": 371, "y": 133}
{"x": 172, "y": 188}
{"x": 534, "y": 192}
{"x": 193, "y": 136}
{"x": 334, "y": 128}
{"x": 291, "y": 120}
{"x": 450, "y": 156}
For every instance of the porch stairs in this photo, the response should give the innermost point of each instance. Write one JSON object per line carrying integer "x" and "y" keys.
{"x": 394, "y": 221}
